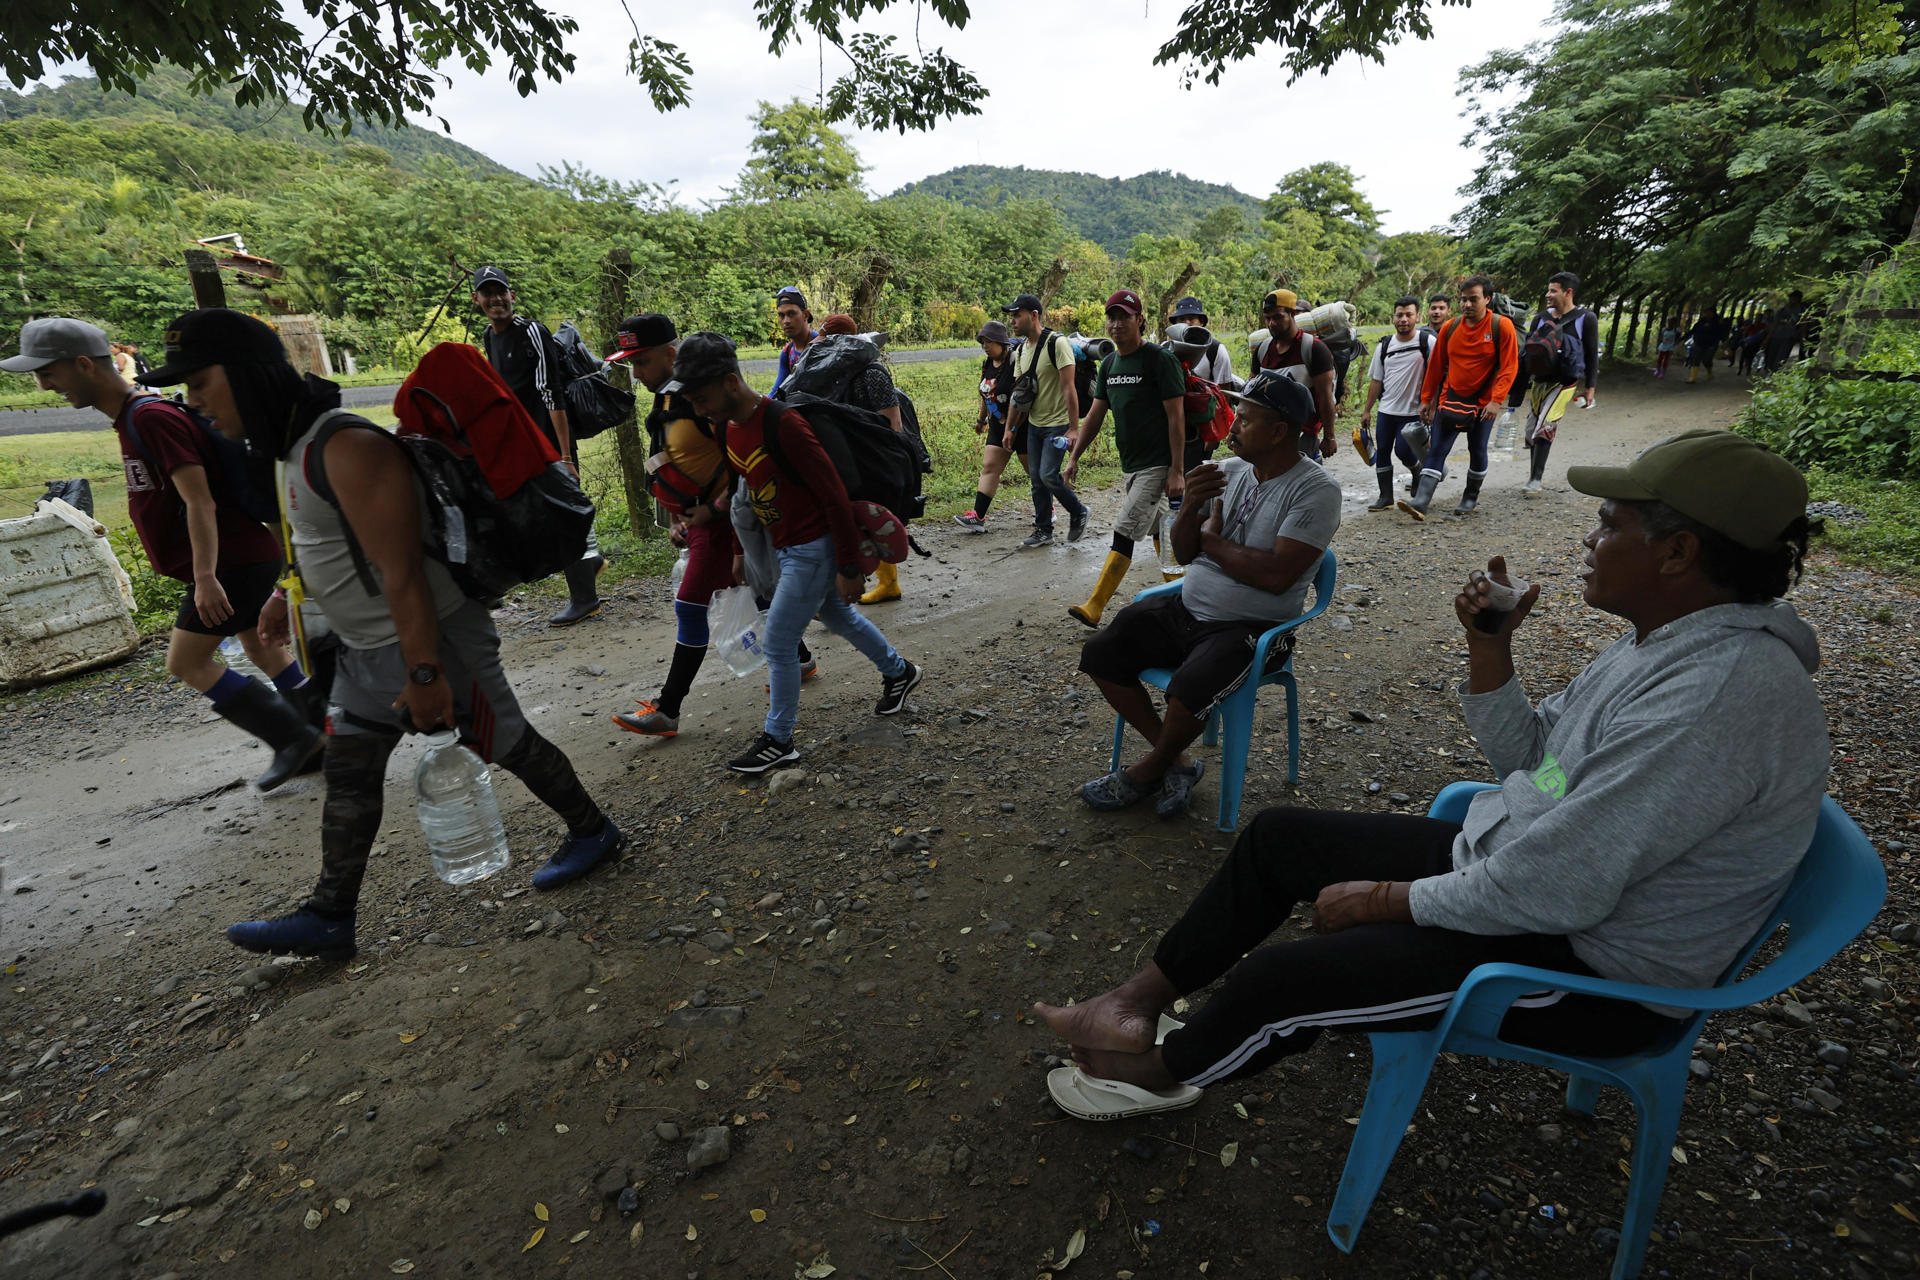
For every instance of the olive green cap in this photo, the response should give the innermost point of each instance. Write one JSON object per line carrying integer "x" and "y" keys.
{"x": 1724, "y": 481}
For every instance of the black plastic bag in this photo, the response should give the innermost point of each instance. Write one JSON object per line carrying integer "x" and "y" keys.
{"x": 77, "y": 493}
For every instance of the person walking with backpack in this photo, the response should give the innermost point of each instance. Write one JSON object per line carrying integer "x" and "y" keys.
{"x": 1046, "y": 409}
{"x": 530, "y": 362}
{"x": 796, "y": 322}
{"x": 195, "y": 530}
{"x": 1561, "y": 288}
{"x": 687, "y": 474}
{"x": 996, "y": 393}
{"x": 1293, "y": 353}
{"x": 799, "y": 498}
{"x": 417, "y": 655}
{"x": 1468, "y": 377}
{"x": 1394, "y": 377}
{"x": 1145, "y": 387}
{"x": 1553, "y": 369}
{"x": 1215, "y": 364}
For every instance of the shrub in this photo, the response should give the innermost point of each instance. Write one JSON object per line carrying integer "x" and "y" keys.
{"x": 156, "y": 599}
{"x": 1869, "y": 429}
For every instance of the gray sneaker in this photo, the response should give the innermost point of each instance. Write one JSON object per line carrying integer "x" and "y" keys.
{"x": 1076, "y": 527}
{"x": 1532, "y": 487}
{"x": 1176, "y": 790}
{"x": 1112, "y": 791}
{"x": 1038, "y": 538}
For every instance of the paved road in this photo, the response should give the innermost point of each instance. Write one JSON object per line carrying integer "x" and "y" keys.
{"x": 22, "y": 422}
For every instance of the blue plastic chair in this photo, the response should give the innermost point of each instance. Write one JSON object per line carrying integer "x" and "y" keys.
{"x": 1233, "y": 718}
{"x": 1835, "y": 893}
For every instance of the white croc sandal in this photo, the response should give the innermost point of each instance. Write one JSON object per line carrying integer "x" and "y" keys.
{"x": 1092, "y": 1098}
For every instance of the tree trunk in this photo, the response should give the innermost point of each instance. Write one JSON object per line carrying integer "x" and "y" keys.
{"x": 867, "y": 294}
{"x": 1613, "y": 331}
{"x": 1172, "y": 295}
{"x": 1633, "y": 328}
{"x": 616, "y": 278}
{"x": 1051, "y": 283}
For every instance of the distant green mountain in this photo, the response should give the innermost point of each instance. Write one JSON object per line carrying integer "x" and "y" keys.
{"x": 1108, "y": 211}
{"x": 164, "y": 96}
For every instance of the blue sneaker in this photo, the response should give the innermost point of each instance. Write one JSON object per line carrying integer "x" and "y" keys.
{"x": 301, "y": 934}
{"x": 578, "y": 855}
{"x": 1176, "y": 790}
{"x": 1112, "y": 791}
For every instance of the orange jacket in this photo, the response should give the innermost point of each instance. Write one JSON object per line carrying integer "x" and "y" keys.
{"x": 1464, "y": 358}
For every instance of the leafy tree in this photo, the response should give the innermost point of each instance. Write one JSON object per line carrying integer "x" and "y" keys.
{"x": 1329, "y": 191}
{"x": 797, "y": 152}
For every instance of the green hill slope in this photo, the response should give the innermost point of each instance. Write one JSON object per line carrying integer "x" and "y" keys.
{"x": 1108, "y": 211}
{"x": 164, "y": 98}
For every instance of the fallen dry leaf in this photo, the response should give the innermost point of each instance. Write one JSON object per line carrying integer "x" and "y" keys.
{"x": 540, "y": 1211}
{"x": 578, "y": 1236}
{"x": 1228, "y": 1154}
{"x": 539, "y": 1234}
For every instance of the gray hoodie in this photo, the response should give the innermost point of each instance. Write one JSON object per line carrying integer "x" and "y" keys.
{"x": 1656, "y": 808}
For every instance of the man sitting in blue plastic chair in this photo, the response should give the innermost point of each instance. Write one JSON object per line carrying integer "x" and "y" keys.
{"x": 1650, "y": 815}
{"x": 1250, "y": 533}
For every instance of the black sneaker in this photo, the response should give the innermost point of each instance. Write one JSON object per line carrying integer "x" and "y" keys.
{"x": 1038, "y": 538}
{"x": 768, "y": 753}
{"x": 894, "y": 691}
{"x": 1076, "y": 526}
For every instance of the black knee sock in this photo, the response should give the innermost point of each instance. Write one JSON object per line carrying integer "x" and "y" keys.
{"x": 1123, "y": 545}
{"x": 981, "y": 501}
{"x": 1540, "y": 449}
{"x": 356, "y": 770}
{"x": 686, "y": 664}
{"x": 550, "y": 776}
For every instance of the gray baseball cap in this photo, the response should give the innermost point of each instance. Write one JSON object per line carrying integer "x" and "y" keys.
{"x": 57, "y": 338}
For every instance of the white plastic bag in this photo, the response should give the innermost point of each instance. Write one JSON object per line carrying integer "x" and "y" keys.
{"x": 736, "y": 628}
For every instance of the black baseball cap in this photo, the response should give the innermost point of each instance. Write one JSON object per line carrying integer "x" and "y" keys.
{"x": 1025, "y": 302}
{"x": 1275, "y": 391}
{"x": 705, "y": 357}
{"x": 490, "y": 275}
{"x": 792, "y": 294}
{"x": 214, "y": 335}
{"x": 639, "y": 333}
{"x": 1189, "y": 306}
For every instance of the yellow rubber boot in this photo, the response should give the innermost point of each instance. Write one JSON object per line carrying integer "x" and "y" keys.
{"x": 886, "y": 585}
{"x": 1110, "y": 575}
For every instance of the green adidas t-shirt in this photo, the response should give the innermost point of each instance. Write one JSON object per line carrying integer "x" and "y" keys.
{"x": 1136, "y": 388}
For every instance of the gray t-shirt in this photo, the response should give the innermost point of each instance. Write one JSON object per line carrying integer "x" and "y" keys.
{"x": 1302, "y": 504}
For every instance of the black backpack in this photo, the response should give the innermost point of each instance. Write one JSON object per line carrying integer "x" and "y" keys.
{"x": 228, "y": 477}
{"x": 1553, "y": 346}
{"x": 910, "y": 422}
{"x": 488, "y": 543}
{"x": 593, "y": 403}
{"x": 1426, "y": 347}
{"x": 875, "y": 462}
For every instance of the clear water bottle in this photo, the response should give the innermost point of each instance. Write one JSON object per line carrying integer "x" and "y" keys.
{"x": 679, "y": 571}
{"x": 458, "y": 811}
{"x": 1062, "y": 443}
{"x": 1506, "y": 434}
{"x": 1170, "y": 566}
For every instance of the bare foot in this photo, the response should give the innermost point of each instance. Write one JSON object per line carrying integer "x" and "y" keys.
{"x": 1143, "y": 1069}
{"x": 1112, "y": 1021}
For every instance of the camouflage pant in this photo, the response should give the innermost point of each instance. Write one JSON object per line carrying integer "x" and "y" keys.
{"x": 356, "y": 778}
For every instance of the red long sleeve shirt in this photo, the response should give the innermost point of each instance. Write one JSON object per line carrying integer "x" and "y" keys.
{"x": 1464, "y": 359}
{"x": 793, "y": 514}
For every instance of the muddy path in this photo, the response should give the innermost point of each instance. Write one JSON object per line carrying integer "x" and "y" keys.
{"x": 788, "y": 1031}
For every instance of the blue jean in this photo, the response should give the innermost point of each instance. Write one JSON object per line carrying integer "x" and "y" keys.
{"x": 806, "y": 588}
{"x": 1043, "y": 469}
{"x": 1448, "y": 426}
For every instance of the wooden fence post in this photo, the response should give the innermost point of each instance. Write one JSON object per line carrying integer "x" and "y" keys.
{"x": 616, "y": 274}
{"x": 204, "y": 275}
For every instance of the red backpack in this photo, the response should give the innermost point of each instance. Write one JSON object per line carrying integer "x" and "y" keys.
{"x": 1199, "y": 394}
{"x": 502, "y": 509}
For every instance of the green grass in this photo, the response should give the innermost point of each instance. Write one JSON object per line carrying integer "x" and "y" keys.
{"x": 1887, "y": 537}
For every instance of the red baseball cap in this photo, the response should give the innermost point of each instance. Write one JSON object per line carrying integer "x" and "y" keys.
{"x": 1126, "y": 300}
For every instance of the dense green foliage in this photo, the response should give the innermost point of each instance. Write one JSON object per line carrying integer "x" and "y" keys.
{"x": 1616, "y": 154}
{"x": 1108, "y": 211}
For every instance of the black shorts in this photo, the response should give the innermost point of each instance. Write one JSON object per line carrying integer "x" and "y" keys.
{"x": 996, "y": 433}
{"x": 248, "y": 587}
{"x": 1209, "y": 659}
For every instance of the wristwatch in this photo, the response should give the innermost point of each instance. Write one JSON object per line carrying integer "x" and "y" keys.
{"x": 425, "y": 673}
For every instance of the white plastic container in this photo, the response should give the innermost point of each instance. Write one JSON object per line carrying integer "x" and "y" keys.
{"x": 65, "y": 604}
{"x": 459, "y": 812}
{"x": 1330, "y": 321}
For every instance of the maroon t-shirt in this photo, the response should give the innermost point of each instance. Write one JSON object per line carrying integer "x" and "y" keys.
{"x": 172, "y": 441}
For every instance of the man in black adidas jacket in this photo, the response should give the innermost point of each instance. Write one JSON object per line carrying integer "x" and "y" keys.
{"x": 528, "y": 360}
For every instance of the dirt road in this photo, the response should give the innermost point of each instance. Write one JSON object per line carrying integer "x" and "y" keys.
{"x": 790, "y": 1027}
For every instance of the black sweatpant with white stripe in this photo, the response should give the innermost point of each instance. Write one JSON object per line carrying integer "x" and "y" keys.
{"x": 1276, "y": 999}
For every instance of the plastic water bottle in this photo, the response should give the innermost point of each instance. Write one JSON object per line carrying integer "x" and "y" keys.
{"x": 1062, "y": 443}
{"x": 1170, "y": 566}
{"x": 458, "y": 811}
{"x": 679, "y": 571}
{"x": 1506, "y": 434}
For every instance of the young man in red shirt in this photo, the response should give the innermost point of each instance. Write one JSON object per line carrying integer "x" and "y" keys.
{"x": 799, "y": 498}
{"x": 1468, "y": 375}
{"x": 193, "y": 531}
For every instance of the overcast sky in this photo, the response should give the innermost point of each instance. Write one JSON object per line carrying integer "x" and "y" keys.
{"x": 1071, "y": 85}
